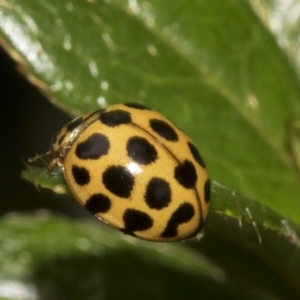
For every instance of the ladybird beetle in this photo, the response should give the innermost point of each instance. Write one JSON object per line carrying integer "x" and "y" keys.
{"x": 136, "y": 171}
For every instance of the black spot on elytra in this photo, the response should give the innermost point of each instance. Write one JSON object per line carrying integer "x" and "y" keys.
{"x": 137, "y": 105}
{"x": 73, "y": 124}
{"x": 118, "y": 180}
{"x": 81, "y": 175}
{"x": 207, "y": 191}
{"x": 93, "y": 147}
{"x": 186, "y": 174}
{"x": 158, "y": 193}
{"x": 140, "y": 150}
{"x": 164, "y": 130}
{"x": 196, "y": 154}
{"x": 115, "y": 117}
{"x": 98, "y": 203}
{"x": 184, "y": 213}
{"x": 135, "y": 220}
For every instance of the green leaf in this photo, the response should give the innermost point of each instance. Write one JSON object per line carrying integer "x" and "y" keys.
{"x": 224, "y": 202}
{"x": 51, "y": 258}
{"x": 41, "y": 177}
{"x": 55, "y": 259}
{"x": 282, "y": 18}
{"x": 213, "y": 70}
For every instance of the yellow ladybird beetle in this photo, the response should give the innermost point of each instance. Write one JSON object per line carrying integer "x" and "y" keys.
{"x": 136, "y": 171}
